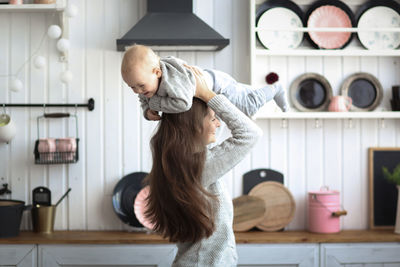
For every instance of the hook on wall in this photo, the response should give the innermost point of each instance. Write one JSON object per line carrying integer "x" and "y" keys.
{"x": 284, "y": 123}
{"x": 383, "y": 124}
{"x": 317, "y": 123}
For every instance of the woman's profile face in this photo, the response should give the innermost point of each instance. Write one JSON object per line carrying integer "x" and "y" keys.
{"x": 210, "y": 125}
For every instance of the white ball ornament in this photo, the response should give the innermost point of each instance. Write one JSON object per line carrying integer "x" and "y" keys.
{"x": 16, "y": 85}
{"x": 54, "y": 31}
{"x": 63, "y": 45}
{"x": 71, "y": 11}
{"x": 66, "y": 76}
{"x": 39, "y": 62}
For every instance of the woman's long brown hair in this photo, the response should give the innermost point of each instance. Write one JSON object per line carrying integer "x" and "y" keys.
{"x": 178, "y": 205}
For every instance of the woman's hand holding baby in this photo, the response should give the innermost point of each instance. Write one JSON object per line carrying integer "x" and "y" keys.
{"x": 152, "y": 115}
{"x": 202, "y": 90}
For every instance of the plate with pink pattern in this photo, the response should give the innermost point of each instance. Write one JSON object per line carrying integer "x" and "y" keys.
{"x": 140, "y": 207}
{"x": 325, "y": 15}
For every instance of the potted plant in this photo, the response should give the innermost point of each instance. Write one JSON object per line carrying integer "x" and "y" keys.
{"x": 394, "y": 177}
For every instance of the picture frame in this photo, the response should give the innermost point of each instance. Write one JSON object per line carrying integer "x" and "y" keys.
{"x": 382, "y": 193}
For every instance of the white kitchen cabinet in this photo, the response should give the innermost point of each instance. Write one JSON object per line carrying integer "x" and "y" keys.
{"x": 301, "y": 255}
{"x": 305, "y": 58}
{"x": 250, "y": 255}
{"x": 18, "y": 255}
{"x": 360, "y": 254}
{"x": 106, "y": 255}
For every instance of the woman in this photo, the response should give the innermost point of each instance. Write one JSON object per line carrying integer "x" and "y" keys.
{"x": 188, "y": 202}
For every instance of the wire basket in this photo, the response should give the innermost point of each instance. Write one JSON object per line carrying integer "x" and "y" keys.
{"x": 63, "y": 150}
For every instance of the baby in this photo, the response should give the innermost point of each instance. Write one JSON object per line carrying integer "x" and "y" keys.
{"x": 166, "y": 85}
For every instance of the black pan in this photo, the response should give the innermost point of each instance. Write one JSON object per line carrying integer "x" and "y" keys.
{"x": 336, "y": 3}
{"x": 124, "y": 195}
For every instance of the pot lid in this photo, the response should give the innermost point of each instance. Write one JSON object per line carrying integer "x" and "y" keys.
{"x": 324, "y": 191}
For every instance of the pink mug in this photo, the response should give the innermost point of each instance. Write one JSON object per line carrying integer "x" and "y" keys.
{"x": 15, "y": 2}
{"x": 46, "y": 148}
{"x": 66, "y": 148}
{"x": 340, "y": 103}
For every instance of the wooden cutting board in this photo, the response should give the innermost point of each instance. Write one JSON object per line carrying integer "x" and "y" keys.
{"x": 279, "y": 204}
{"x": 248, "y": 211}
{"x": 254, "y": 177}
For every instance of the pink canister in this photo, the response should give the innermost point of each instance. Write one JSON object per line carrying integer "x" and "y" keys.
{"x": 324, "y": 211}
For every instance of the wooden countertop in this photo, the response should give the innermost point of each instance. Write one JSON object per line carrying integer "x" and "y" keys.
{"x": 253, "y": 237}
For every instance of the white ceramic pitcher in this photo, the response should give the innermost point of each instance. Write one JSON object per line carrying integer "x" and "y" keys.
{"x": 7, "y": 128}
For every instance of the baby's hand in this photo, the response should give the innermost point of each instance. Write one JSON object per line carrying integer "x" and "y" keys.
{"x": 152, "y": 115}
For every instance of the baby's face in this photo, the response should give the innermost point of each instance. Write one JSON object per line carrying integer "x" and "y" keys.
{"x": 143, "y": 81}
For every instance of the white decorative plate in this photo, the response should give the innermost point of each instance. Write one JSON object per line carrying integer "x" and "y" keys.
{"x": 280, "y": 18}
{"x": 379, "y": 17}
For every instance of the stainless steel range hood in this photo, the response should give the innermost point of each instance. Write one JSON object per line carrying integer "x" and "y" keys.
{"x": 170, "y": 25}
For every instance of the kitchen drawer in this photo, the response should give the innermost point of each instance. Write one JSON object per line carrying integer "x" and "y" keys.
{"x": 18, "y": 255}
{"x": 106, "y": 255}
{"x": 301, "y": 255}
{"x": 360, "y": 254}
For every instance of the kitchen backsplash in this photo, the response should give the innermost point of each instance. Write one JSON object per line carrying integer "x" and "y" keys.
{"x": 114, "y": 137}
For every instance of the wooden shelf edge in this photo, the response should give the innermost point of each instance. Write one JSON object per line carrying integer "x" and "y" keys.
{"x": 334, "y": 52}
{"x": 31, "y": 8}
{"x": 348, "y": 236}
{"x": 252, "y": 237}
{"x": 330, "y": 115}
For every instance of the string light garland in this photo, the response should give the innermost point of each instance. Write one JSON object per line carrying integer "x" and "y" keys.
{"x": 39, "y": 62}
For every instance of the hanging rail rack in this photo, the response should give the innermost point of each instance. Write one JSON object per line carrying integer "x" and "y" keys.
{"x": 89, "y": 105}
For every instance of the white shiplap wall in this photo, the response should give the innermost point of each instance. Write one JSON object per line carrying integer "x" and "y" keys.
{"x": 114, "y": 137}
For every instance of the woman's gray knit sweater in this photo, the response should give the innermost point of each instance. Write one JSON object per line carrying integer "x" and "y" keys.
{"x": 220, "y": 248}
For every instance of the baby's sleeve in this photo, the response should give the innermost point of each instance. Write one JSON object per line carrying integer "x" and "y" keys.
{"x": 144, "y": 105}
{"x": 176, "y": 89}
{"x": 173, "y": 103}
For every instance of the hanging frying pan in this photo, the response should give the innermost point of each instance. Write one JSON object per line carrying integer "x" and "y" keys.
{"x": 124, "y": 195}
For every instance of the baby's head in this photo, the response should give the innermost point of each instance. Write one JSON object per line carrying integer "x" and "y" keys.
{"x": 141, "y": 70}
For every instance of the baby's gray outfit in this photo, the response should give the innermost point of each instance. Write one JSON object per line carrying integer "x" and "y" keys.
{"x": 178, "y": 86}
